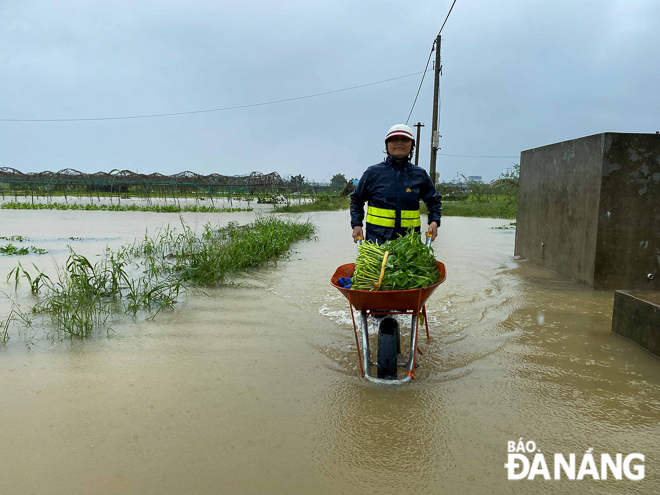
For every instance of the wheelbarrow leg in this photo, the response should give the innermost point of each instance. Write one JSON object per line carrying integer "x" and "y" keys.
{"x": 366, "y": 355}
{"x": 413, "y": 345}
{"x": 357, "y": 345}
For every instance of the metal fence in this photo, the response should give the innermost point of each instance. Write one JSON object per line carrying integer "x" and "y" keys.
{"x": 126, "y": 183}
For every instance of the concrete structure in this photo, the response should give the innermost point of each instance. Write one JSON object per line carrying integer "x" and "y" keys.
{"x": 589, "y": 209}
{"x": 637, "y": 317}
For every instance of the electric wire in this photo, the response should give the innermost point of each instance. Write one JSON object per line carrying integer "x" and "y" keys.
{"x": 157, "y": 115}
{"x": 422, "y": 82}
{"x": 443, "y": 24}
{"x": 480, "y": 156}
{"x": 427, "y": 65}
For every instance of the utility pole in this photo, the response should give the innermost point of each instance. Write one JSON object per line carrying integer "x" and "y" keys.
{"x": 435, "y": 133}
{"x": 418, "y": 125}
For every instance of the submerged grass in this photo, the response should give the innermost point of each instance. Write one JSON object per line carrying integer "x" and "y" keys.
{"x": 15, "y": 205}
{"x": 11, "y": 250}
{"x": 15, "y": 314}
{"x": 495, "y": 208}
{"x": 14, "y": 238}
{"x": 210, "y": 258}
{"x": 83, "y": 296}
{"x": 322, "y": 203}
{"x": 235, "y": 248}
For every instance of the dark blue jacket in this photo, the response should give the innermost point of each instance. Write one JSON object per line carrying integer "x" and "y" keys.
{"x": 393, "y": 190}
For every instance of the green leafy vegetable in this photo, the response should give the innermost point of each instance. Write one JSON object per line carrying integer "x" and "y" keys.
{"x": 410, "y": 264}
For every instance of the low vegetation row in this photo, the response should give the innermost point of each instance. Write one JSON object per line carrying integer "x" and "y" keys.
{"x": 168, "y": 208}
{"x": 469, "y": 198}
{"x": 495, "y": 207}
{"x": 148, "y": 275}
{"x": 11, "y": 250}
{"x": 321, "y": 203}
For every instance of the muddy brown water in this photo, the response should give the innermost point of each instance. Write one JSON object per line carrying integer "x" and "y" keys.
{"x": 257, "y": 389}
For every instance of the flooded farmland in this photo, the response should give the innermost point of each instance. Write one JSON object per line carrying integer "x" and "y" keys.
{"x": 256, "y": 388}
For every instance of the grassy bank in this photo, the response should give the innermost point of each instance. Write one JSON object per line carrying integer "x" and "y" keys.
{"x": 322, "y": 203}
{"x": 148, "y": 275}
{"x": 495, "y": 208}
{"x": 13, "y": 205}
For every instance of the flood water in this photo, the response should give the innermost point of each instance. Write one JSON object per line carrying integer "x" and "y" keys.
{"x": 257, "y": 389}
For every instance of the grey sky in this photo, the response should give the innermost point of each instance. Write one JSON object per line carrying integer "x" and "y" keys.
{"x": 517, "y": 74}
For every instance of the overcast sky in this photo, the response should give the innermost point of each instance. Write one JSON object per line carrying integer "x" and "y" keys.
{"x": 517, "y": 74}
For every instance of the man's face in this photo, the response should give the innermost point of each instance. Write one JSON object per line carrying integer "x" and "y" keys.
{"x": 399, "y": 146}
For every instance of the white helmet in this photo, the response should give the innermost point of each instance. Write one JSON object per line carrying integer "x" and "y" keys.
{"x": 400, "y": 130}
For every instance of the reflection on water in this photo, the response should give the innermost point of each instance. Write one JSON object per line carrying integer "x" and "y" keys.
{"x": 258, "y": 390}
{"x": 395, "y": 436}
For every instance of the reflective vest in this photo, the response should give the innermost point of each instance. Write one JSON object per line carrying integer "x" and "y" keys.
{"x": 393, "y": 189}
{"x": 387, "y": 218}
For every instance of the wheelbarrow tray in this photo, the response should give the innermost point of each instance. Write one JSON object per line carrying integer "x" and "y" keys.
{"x": 396, "y": 300}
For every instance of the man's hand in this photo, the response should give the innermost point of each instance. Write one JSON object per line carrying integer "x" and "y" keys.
{"x": 433, "y": 230}
{"x": 357, "y": 232}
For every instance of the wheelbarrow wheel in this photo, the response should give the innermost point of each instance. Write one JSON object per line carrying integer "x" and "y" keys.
{"x": 388, "y": 343}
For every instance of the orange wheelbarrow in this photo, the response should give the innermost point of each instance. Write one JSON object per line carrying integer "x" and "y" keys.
{"x": 402, "y": 302}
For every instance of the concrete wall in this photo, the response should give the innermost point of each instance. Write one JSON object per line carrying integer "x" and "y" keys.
{"x": 589, "y": 209}
{"x": 558, "y": 204}
{"x": 628, "y": 245}
{"x": 636, "y": 317}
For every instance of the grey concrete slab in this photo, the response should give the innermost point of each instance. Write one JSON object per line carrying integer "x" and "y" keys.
{"x": 589, "y": 209}
{"x": 636, "y": 316}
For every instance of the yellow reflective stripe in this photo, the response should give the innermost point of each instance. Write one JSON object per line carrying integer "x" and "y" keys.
{"x": 384, "y": 222}
{"x": 415, "y": 222}
{"x": 409, "y": 214}
{"x": 380, "y": 212}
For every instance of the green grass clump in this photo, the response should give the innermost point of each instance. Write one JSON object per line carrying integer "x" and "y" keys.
{"x": 14, "y": 238}
{"x": 210, "y": 258}
{"x": 235, "y": 248}
{"x": 149, "y": 275}
{"x": 492, "y": 209}
{"x": 11, "y": 250}
{"x": 13, "y": 205}
{"x": 83, "y": 296}
{"x": 495, "y": 208}
{"x": 321, "y": 203}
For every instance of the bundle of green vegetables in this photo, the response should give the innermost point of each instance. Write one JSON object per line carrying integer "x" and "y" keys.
{"x": 409, "y": 265}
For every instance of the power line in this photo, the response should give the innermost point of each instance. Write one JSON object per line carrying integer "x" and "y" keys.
{"x": 427, "y": 62}
{"x": 443, "y": 24}
{"x": 480, "y": 156}
{"x": 420, "y": 84}
{"x": 149, "y": 116}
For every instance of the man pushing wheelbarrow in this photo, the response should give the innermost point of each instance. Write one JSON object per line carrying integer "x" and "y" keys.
{"x": 394, "y": 272}
{"x": 392, "y": 190}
